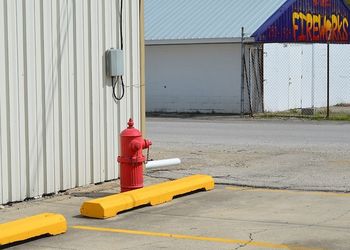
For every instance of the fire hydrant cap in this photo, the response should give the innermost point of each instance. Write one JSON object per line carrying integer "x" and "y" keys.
{"x": 131, "y": 131}
{"x": 131, "y": 123}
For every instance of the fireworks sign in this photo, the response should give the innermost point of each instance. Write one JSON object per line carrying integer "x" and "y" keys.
{"x": 317, "y": 21}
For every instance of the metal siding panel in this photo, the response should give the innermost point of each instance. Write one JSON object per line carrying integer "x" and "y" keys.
{"x": 59, "y": 126}
{"x": 1, "y": 165}
{"x": 131, "y": 79}
{"x": 96, "y": 175}
{"x": 14, "y": 169}
{"x": 80, "y": 45}
{"x": 22, "y": 96}
{"x": 64, "y": 97}
{"x": 88, "y": 93}
{"x": 128, "y": 49}
{"x": 72, "y": 92}
{"x": 40, "y": 143}
{"x": 4, "y": 147}
{"x": 116, "y": 110}
{"x": 31, "y": 96}
{"x": 49, "y": 87}
{"x": 2, "y": 81}
{"x": 134, "y": 69}
{"x": 136, "y": 83}
{"x": 102, "y": 88}
{"x": 56, "y": 90}
{"x": 110, "y": 158}
{"x": 125, "y": 104}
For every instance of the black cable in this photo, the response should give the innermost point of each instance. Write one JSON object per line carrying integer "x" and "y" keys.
{"x": 114, "y": 85}
{"x": 119, "y": 79}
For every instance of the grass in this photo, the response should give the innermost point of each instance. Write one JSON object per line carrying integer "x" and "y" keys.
{"x": 296, "y": 113}
{"x": 333, "y": 117}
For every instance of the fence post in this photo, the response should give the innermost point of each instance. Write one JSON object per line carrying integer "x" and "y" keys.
{"x": 242, "y": 74}
{"x": 328, "y": 80}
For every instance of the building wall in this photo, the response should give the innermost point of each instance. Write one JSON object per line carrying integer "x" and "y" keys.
{"x": 59, "y": 125}
{"x": 193, "y": 78}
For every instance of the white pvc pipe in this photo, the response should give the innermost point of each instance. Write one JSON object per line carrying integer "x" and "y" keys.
{"x": 163, "y": 163}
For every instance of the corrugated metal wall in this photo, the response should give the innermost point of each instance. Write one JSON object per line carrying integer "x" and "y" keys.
{"x": 59, "y": 124}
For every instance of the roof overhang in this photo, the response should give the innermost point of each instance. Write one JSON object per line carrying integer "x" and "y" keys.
{"x": 199, "y": 41}
{"x": 307, "y": 21}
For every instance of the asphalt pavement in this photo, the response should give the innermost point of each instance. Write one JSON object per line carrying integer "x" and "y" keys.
{"x": 286, "y": 154}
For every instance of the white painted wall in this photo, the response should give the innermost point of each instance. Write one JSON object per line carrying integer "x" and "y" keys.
{"x": 59, "y": 125}
{"x": 191, "y": 78}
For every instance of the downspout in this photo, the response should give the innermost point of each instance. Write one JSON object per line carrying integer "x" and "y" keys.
{"x": 142, "y": 68}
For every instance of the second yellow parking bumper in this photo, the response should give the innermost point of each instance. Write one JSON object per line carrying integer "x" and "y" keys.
{"x": 30, "y": 227}
{"x": 156, "y": 194}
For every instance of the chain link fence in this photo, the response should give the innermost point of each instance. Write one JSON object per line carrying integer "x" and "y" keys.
{"x": 293, "y": 80}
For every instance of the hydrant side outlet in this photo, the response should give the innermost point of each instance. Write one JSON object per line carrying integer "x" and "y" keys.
{"x": 131, "y": 159}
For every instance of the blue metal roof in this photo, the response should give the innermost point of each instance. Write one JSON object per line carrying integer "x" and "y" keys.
{"x": 170, "y": 20}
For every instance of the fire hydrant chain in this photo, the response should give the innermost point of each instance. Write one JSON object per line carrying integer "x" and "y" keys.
{"x": 147, "y": 159}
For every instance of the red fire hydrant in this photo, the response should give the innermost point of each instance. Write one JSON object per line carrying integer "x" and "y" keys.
{"x": 131, "y": 159}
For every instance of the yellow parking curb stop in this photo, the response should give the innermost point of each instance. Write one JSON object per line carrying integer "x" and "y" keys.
{"x": 109, "y": 206}
{"x": 30, "y": 227}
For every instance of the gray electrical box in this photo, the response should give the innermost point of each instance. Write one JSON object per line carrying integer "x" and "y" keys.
{"x": 114, "y": 62}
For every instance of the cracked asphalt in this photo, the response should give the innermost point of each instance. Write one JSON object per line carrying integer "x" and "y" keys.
{"x": 280, "y": 185}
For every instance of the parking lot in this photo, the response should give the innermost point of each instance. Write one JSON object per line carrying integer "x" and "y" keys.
{"x": 280, "y": 185}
